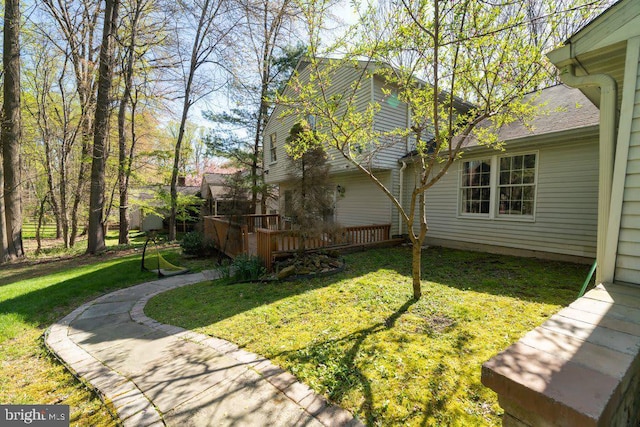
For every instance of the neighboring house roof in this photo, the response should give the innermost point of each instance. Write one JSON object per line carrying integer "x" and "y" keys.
{"x": 214, "y": 185}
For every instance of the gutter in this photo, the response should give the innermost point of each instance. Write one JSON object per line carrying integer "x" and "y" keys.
{"x": 608, "y": 100}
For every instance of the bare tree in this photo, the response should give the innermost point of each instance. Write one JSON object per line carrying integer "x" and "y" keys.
{"x": 140, "y": 38}
{"x": 95, "y": 242}
{"x": 269, "y": 26}
{"x": 11, "y": 134}
{"x": 76, "y": 24}
{"x": 213, "y": 20}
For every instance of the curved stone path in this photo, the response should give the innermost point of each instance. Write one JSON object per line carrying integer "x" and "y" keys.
{"x": 157, "y": 374}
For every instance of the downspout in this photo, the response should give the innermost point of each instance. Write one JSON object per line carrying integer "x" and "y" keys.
{"x": 608, "y": 100}
{"x": 401, "y": 196}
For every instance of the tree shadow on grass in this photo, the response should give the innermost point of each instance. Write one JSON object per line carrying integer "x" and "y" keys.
{"x": 51, "y": 300}
{"x": 342, "y": 372}
{"x": 457, "y": 269}
{"x": 528, "y": 279}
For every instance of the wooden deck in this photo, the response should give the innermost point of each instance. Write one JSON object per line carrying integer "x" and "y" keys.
{"x": 261, "y": 236}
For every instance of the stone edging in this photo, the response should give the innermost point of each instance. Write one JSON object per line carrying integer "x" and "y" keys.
{"x": 133, "y": 407}
{"x": 315, "y": 404}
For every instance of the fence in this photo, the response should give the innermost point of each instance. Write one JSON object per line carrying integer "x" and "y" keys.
{"x": 228, "y": 236}
{"x": 272, "y": 242}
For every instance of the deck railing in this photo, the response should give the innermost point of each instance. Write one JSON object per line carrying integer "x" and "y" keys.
{"x": 228, "y": 236}
{"x": 268, "y": 221}
{"x": 272, "y": 242}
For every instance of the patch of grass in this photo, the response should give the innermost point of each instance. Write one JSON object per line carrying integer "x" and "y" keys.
{"x": 35, "y": 294}
{"x": 361, "y": 340}
{"x": 47, "y": 231}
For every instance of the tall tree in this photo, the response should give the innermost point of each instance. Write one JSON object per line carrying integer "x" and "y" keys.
{"x": 432, "y": 54}
{"x": 124, "y": 161}
{"x": 238, "y": 133}
{"x": 11, "y": 133}
{"x": 212, "y": 23}
{"x": 132, "y": 55}
{"x": 311, "y": 198}
{"x": 267, "y": 22}
{"x": 75, "y": 39}
{"x": 95, "y": 242}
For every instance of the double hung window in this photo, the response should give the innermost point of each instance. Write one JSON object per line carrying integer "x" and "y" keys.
{"x": 499, "y": 187}
{"x": 476, "y": 186}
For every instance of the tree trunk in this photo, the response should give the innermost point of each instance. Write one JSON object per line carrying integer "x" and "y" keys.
{"x": 11, "y": 129}
{"x": 176, "y": 164}
{"x": 4, "y": 246}
{"x": 123, "y": 232}
{"x": 194, "y": 64}
{"x": 124, "y": 160}
{"x": 82, "y": 179}
{"x": 101, "y": 127}
{"x": 64, "y": 216}
{"x": 43, "y": 202}
{"x": 416, "y": 269}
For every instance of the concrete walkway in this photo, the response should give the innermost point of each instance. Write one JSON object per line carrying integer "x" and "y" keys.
{"x": 156, "y": 374}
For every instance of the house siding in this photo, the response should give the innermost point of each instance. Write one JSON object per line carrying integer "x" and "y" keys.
{"x": 565, "y": 218}
{"x": 628, "y": 259}
{"x": 363, "y": 202}
{"x": 341, "y": 83}
{"x": 392, "y": 115}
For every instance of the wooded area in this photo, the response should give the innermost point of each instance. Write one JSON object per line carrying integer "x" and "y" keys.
{"x": 98, "y": 97}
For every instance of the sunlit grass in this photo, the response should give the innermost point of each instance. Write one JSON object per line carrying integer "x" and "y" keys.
{"x": 35, "y": 294}
{"x": 360, "y": 339}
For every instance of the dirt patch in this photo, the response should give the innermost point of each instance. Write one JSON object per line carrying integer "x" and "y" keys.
{"x": 436, "y": 324}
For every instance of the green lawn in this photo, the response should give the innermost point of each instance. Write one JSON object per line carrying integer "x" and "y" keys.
{"x": 360, "y": 339}
{"x": 48, "y": 231}
{"x": 35, "y": 294}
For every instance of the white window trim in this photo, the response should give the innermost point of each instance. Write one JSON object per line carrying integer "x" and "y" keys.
{"x": 273, "y": 136}
{"x": 494, "y": 214}
{"x": 459, "y": 187}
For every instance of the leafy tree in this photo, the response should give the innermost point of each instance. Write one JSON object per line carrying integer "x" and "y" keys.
{"x": 311, "y": 201}
{"x": 143, "y": 31}
{"x": 432, "y": 55}
{"x": 267, "y": 28}
{"x": 70, "y": 27}
{"x": 187, "y": 208}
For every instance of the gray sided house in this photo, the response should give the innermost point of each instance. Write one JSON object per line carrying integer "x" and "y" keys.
{"x": 553, "y": 214}
{"x": 357, "y": 201}
{"x": 535, "y": 197}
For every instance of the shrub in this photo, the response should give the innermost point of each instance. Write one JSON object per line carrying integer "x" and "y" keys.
{"x": 194, "y": 243}
{"x": 247, "y": 267}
